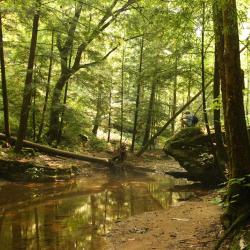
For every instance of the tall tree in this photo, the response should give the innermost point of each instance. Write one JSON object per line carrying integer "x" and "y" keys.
{"x": 175, "y": 94}
{"x": 99, "y": 111}
{"x": 4, "y": 83}
{"x": 122, "y": 94}
{"x": 203, "y": 73}
{"x": 138, "y": 92}
{"x": 238, "y": 146}
{"x": 150, "y": 112}
{"x": 109, "y": 16}
{"x": 40, "y": 130}
{"x": 221, "y": 154}
{"x": 27, "y": 93}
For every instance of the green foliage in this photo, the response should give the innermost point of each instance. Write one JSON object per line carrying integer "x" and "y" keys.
{"x": 34, "y": 173}
{"x": 171, "y": 53}
{"x": 97, "y": 144}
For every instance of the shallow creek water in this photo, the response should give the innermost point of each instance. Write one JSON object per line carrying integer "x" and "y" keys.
{"x": 76, "y": 214}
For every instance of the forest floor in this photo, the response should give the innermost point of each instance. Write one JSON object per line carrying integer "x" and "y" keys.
{"x": 193, "y": 224}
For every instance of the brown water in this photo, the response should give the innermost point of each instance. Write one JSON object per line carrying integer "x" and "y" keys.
{"x": 77, "y": 214}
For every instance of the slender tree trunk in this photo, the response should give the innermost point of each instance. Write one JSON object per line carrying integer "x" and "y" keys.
{"x": 150, "y": 113}
{"x": 4, "y": 84}
{"x": 27, "y": 94}
{"x": 247, "y": 87}
{"x": 56, "y": 107}
{"x": 138, "y": 92}
{"x": 34, "y": 111}
{"x": 174, "y": 95}
{"x": 110, "y": 112}
{"x": 221, "y": 154}
{"x": 47, "y": 89}
{"x": 59, "y": 136}
{"x": 98, "y": 109}
{"x": 219, "y": 41}
{"x": 203, "y": 73}
{"x": 122, "y": 94}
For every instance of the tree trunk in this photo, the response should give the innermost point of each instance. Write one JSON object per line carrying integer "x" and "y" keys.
{"x": 47, "y": 89}
{"x": 66, "y": 72}
{"x": 55, "y": 109}
{"x": 238, "y": 148}
{"x": 59, "y": 136}
{"x": 110, "y": 112}
{"x": 203, "y": 74}
{"x": 98, "y": 109}
{"x": 221, "y": 154}
{"x": 247, "y": 87}
{"x": 219, "y": 44}
{"x": 4, "y": 84}
{"x": 34, "y": 111}
{"x": 27, "y": 94}
{"x": 150, "y": 113}
{"x": 239, "y": 151}
{"x": 122, "y": 94}
{"x": 138, "y": 92}
{"x": 174, "y": 95}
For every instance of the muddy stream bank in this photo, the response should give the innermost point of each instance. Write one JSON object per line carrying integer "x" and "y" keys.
{"x": 90, "y": 211}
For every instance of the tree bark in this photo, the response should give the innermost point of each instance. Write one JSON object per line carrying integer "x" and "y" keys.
{"x": 138, "y": 92}
{"x": 34, "y": 110}
{"x": 221, "y": 154}
{"x": 150, "y": 113}
{"x": 59, "y": 136}
{"x": 47, "y": 89}
{"x": 122, "y": 95}
{"x": 235, "y": 115}
{"x": 175, "y": 94}
{"x": 27, "y": 93}
{"x": 110, "y": 113}
{"x": 203, "y": 75}
{"x": 4, "y": 83}
{"x": 238, "y": 147}
{"x": 98, "y": 115}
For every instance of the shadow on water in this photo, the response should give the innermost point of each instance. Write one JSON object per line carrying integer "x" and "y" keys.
{"x": 76, "y": 214}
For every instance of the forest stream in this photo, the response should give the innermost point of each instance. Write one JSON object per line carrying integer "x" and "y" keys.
{"x": 79, "y": 213}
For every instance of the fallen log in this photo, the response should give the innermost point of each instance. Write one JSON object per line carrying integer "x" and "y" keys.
{"x": 58, "y": 152}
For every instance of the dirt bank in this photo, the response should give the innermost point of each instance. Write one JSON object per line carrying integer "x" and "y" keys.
{"x": 186, "y": 225}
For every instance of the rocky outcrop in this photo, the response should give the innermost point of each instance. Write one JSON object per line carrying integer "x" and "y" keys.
{"x": 192, "y": 149}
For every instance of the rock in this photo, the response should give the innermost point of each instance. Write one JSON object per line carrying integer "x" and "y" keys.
{"x": 192, "y": 149}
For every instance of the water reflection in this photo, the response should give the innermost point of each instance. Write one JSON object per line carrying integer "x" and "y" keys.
{"x": 76, "y": 214}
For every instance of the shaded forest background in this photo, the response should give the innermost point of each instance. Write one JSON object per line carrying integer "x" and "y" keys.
{"x": 111, "y": 70}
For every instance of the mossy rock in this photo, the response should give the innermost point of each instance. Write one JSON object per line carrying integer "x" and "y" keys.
{"x": 192, "y": 149}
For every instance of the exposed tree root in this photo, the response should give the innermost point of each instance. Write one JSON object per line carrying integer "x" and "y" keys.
{"x": 239, "y": 221}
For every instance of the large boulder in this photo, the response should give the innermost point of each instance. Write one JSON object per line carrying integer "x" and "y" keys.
{"x": 192, "y": 149}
